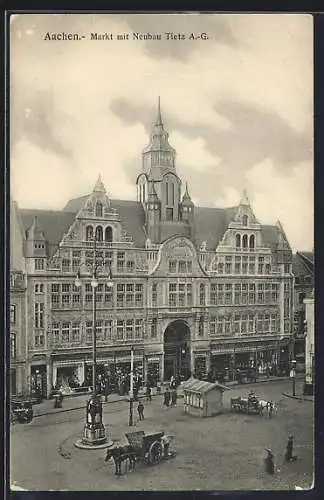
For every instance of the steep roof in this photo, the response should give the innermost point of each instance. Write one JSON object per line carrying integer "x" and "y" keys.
{"x": 210, "y": 223}
{"x": 303, "y": 268}
{"x": 53, "y": 222}
{"x": 201, "y": 386}
{"x": 308, "y": 256}
{"x": 270, "y": 235}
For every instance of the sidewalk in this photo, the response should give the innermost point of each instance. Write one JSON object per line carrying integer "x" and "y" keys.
{"x": 74, "y": 402}
{"x": 70, "y": 403}
{"x": 299, "y": 395}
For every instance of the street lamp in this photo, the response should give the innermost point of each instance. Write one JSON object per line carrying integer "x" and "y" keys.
{"x": 293, "y": 376}
{"x": 131, "y": 390}
{"x": 94, "y": 431}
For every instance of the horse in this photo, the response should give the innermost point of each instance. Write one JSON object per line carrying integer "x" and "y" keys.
{"x": 269, "y": 406}
{"x": 119, "y": 454}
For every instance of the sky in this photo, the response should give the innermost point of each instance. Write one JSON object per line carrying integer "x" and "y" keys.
{"x": 237, "y": 103}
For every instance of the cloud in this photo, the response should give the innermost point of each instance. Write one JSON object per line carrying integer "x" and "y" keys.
{"x": 289, "y": 199}
{"x": 229, "y": 103}
{"x": 217, "y": 28}
{"x": 35, "y": 118}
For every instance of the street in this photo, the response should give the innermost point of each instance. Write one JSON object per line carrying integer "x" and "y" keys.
{"x": 219, "y": 453}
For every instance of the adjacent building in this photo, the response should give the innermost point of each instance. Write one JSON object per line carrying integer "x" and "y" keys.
{"x": 309, "y": 346}
{"x": 195, "y": 289}
{"x": 304, "y": 272}
{"x": 18, "y": 341}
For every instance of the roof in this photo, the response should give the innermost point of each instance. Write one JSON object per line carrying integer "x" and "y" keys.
{"x": 308, "y": 256}
{"x": 53, "y": 222}
{"x": 201, "y": 386}
{"x": 210, "y": 223}
{"x": 303, "y": 266}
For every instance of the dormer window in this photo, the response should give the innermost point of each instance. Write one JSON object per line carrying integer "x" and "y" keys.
{"x": 252, "y": 242}
{"x": 238, "y": 241}
{"x": 99, "y": 209}
{"x": 245, "y": 220}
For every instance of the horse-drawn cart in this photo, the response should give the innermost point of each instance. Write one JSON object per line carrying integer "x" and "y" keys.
{"x": 244, "y": 405}
{"x": 150, "y": 448}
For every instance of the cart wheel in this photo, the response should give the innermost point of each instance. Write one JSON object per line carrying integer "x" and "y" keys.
{"x": 155, "y": 453}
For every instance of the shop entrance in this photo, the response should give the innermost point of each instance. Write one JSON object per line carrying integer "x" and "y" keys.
{"x": 177, "y": 351}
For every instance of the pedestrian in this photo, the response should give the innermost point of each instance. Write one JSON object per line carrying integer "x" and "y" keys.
{"x": 167, "y": 396}
{"x": 166, "y": 445}
{"x": 289, "y": 457}
{"x": 140, "y": 409}
{"x": 268, "y": 462}
{"x": 148, "y": 394}
{"x": 174, "y": 398}
{"x": 270, "y": 409}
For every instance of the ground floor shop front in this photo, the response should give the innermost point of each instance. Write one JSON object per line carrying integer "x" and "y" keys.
{"x": 153, "y": 364}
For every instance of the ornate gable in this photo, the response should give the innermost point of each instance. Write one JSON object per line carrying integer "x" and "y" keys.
{"x": 178, "y": 257}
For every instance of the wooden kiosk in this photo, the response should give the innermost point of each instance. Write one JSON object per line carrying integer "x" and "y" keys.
{"x": 203, "y": 399}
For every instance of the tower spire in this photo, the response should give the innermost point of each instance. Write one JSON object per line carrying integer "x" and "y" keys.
{"x": 245, "y": 198}
{"x": 99, "y": 186}
{"x": 159, "y": 118}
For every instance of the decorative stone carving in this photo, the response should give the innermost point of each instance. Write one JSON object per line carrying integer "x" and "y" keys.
{"x": 203, "y": 246}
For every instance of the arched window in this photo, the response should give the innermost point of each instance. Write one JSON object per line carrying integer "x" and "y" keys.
{"x": 252, "y": 241}
{"x": 143, "y": 192}
{"x": 202, "y": 294}
{"x": 108, "y": 234}
{"x": 99, "y": 209}
{"x": 238, "y": 241}
{"x": 245, "y": 241}
{"x": 245, "y": 220}
{"x": 99, "y": 233}
{"x": 89, "y": 233}
{"x": 167, "y": 193}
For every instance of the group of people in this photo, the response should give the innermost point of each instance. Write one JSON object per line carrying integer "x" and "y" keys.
{"x": 170, "y": 396}
{"x": 288, "y": 457}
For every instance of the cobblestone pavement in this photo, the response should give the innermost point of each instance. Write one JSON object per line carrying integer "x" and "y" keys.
{"x": 219, "y": 453}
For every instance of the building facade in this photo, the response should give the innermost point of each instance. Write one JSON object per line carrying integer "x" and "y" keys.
{"x": 194, "y": 289}
{"x": 304, "y": 272}
{"x": 18, "y": 306}
{"x": 309, "y": 346}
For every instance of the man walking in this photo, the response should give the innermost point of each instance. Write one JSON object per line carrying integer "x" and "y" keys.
{"x": 167, "y": 396}
{"x": 140, "y": 409}
{"x": 289, "y": 457}
{"x": 148, "y": 394}
{"x": 174, "y": 398}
